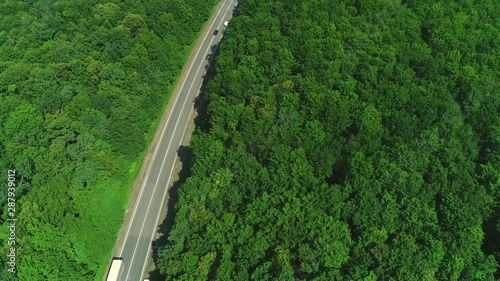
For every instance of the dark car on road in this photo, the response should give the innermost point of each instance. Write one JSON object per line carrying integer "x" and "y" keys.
{"x": 216, "y": 32}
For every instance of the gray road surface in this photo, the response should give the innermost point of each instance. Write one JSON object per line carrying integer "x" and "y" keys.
{"x": 144, "y": 221}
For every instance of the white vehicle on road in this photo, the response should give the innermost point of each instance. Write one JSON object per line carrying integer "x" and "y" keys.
{"x": 116, "y": 270}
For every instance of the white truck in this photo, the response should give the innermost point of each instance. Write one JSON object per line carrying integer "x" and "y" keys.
{"x": 116, "y": 270}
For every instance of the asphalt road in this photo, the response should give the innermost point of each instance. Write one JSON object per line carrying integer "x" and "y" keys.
{"x": 144, "y": 219}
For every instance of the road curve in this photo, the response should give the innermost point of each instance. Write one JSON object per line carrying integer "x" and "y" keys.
{"x": 143, "y": 224}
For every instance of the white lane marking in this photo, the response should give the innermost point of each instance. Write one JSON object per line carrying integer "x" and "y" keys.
{"x": 148, "y": 170}
{"x": 168, "y": 147}
{"x": 183, "y": 134}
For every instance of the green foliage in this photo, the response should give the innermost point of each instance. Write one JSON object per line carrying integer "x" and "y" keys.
{"x": 81, "y": 82}
{"x": 347, "y": 140}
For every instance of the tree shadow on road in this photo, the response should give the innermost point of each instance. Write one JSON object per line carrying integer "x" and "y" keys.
{"x": 185, "y": 155}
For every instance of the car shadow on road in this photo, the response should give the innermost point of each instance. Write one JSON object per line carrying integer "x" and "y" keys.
{"x": 185, "y": 155}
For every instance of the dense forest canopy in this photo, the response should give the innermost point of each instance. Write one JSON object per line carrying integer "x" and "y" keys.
{"x": 82, "y": 85}
{"x": 347, "y": 140}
